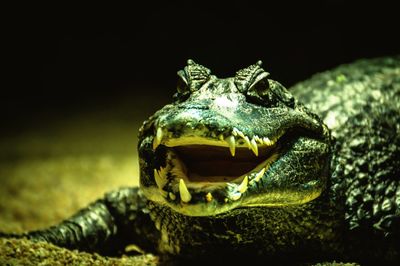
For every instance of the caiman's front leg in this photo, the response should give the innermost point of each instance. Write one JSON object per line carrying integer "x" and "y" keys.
{"x": 105, "y": 226}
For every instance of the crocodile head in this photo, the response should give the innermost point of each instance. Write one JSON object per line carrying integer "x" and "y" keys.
{"x": 232, "y": 143}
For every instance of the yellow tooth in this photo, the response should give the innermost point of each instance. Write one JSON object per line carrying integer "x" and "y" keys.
{"x": 271, "y": 160}
{"x": 221, "y": 137}
{"x": 163, "y": 172}
{"x": 259, "y": 175}
{"x": 160, "y": 181}
{"x": 267, "y": 141}
{"x": 246, "y": 139}
{"x": 157, "y": 223}
{"x": 258, "y": 139}
{"x": 158, "y": 138}
{"x": 184, "y": 192}
{"x": 240, "y": 133}
{"x": 155, "y": 144}
{"x": 243, "y": 186}
{"x": 235, "y": 131}
{"x": 172, "y": 196}
{"x": 236, "y": 196}
{"x": 209, "y": 197}
{"x": 254, "y": 147}
{"x": 159, "y": 135}
{"x": 232, "y": 144}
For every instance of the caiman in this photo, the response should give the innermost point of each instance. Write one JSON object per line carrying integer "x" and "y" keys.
{"x": 241, "y": 168}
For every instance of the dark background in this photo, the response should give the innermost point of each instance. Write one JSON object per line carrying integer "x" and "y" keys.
{"x": 67, "y": 59}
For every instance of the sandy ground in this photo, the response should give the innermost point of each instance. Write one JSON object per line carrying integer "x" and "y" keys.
{"x": 58, "y": 164}
{"x": 20, "y": 252}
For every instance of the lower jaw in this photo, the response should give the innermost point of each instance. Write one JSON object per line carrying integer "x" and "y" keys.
{"x": 223, "y": 193}
{"x": 207, "y": 198}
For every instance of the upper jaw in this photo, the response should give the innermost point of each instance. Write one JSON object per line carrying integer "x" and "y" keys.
{"x": 232, "y": 140}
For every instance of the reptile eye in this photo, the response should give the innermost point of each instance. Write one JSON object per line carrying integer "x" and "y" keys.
{"x": 282, "y": 93}
{"x": 259, "y": 91}
{"x": 253, "y": 82}
{"x": 191, "y": 78}
{"x": 182, "y": 85}
{"x": 260, "y": 86}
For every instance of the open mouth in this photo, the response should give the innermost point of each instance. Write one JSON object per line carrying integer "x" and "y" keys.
{"x": 210, "y": 164}
{"x": 207, "y": 169}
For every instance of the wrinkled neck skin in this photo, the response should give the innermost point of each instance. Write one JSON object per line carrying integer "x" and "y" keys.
{"x": 305, "y": 231}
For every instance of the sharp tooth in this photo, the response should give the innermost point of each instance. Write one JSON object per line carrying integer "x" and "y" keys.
{"x": 158, "y": 138}
{"x": 246, "y": 139}
{"x": 159, "y": 135}
{"x": 209, "y": 197}
{"x": 184, "y": 192}
{"x": 259, "y": 175}
{"x": 163, "y": 172}
{"x": 157, "y": 223}
{"x": 267, "y": 141}
{"x": 243, "y": 186}
{"x": 160, "y": 181}
{"x": 155, "y": 144}
{"x": 258, "y": 139}
{"x": 254, "y": 147}
{"x": 235, "y": 131}
{"x": 232, "y": 144}
{"x": 172, "y": 196}
{"x": 235, "y": 196}
{"x": 240, "y": 133}
{"x": 271, "y": 159}
{"x": 221, "y": 137}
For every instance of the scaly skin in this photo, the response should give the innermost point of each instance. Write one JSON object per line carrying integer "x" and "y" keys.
{"x": 238, "y": 168}
{"x": 360, "y": 103}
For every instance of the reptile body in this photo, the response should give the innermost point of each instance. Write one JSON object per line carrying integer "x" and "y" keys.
{"x": 241, "y": 167}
